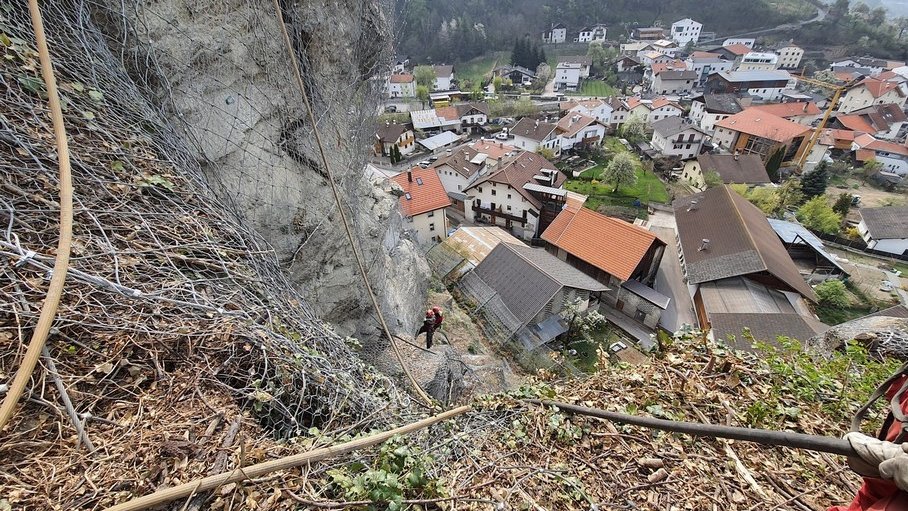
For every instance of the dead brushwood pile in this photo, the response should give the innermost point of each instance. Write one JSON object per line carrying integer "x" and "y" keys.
{"x": 549, "y": 460}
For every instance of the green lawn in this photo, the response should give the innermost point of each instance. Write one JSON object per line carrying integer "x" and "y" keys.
{"x": 648, "y": 188}
{"x": 595, "y": 88}
{"x": 478, "y": 69}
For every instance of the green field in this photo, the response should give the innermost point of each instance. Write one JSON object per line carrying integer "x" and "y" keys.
{"x": 479, "y": 69}
{"x": 648, "y": 188}
{"x": 595, "y": 88}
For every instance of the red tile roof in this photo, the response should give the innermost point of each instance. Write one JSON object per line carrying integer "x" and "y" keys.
{"x": 868, "y": 142}
{"x": 402, "y": 78}
{"x": 661, "y": 102}
{"x": 855, "y": 123}
{"x": 790, "y": 109}
{"x": 738, "y": 49}
{"x": 878, "y": 88}
{"x": 614, "y": 246}
{"x": 425, "y": 197}
{"x": 495, "y": 150}
{"x": 762, "y": 124}
{"x": 704, "y": 55}
{"x": 449, "y": 113}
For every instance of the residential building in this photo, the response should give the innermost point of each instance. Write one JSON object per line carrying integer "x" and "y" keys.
{"x": 653, "y": 110}
{"x": 432, "y": 121}
{"x": 585, "y": 62}
{"x": 758, "y": 61}
{"x": 803, "y": 112}
{"x": 885, "y": 229}
{"x": 734, "y": 52}
{"x": 465, "y": 117}
{"x": 598, "y": 109}
{"x": 686, "y": 31}
{"x": 522, "y": 196}
{"x": 869, "y": 92}
{"x": 867, "y": 66}
{"x": 401, "y": 85}
{"x": 619, "y": 255}
{"x": 893, "y": 157}
{"x": 761, "y": 133}
{"x": 708, "y": 109}
{"x": 423, "y": 204}
{"x": 812, "y": 259}
{"x": 495, "y": 151}
{"x": 518, "y": 75}
{"x": 635, "y": 48}
{"x": 653, "y": 57}
{"x": 740, "y": 275}
{"x": 743, "y": 41}
{"x": 674, "y": 82}
{"x": 577, "y": 130}
{"x": 555, "y": 35}
{"x": 592, "y": 34}
{"x": 527, "y": 289}
{"x": 705, "y": 63}
{"x": 666, "y": 47}
{"x": 459, "y": 168}
{"x": 620, "y": 112}
{"x": 885, "y": 122}
{"x": 744, "y": 169}
{"x": 648, "y": 34}
{"x": 764, "y": 85}
{"x": 627, "y": 63}
{"x": 390, "y": 135}
{"x": 530, "y": 134}
{"x": 677, "y": 137}
{"x": 444, "y": 77}
{"x": 436, "y": 143}
{"x": 790, "y": 57}
{"x": 464, "y": 249}
{"x": 568, "y": 76}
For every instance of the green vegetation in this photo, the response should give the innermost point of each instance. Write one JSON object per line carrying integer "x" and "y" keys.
{"x": 833, "y": 293}
{"x": 595, "y": 88}
{"x": 857, "y": 304}
{"x": 817, "y": 214}
{"x": 648, "y": 188}
{"x": 478, "y": 70}
{"x": 587, "y": 356}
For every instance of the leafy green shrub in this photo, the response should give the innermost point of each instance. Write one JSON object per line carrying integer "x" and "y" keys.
{"x": 832, "y": 292}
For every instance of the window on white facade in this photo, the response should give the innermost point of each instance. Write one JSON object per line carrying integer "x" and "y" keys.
{"x": 431, "y": 214}
{"x": 431, "y": 227}
{"x": 493, "y": 192}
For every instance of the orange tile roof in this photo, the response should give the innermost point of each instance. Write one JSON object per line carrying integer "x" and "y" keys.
{"x": 425, "y": 197}
{"x": 494, "y": 150}
{"x": 878, "y": 88}
{"x": 704, "y": 55}
{"x": 738, "y": 49}
{"x": 402, "y": 78}
{"x": 888, "y": 75}
{"x": 864, "y": 155}
{"x": 661, "y": 102}
{"x": 855, "y": 123}
{"x": 762, "y": 124}
{"x": 449, "y": 113}
{"x": 572, "y": 123}
{"x": 633, "y": 103}
{"x": 868, "y": 142}
{"x": 790, "y": 109}
{"x": 612, "y": 245}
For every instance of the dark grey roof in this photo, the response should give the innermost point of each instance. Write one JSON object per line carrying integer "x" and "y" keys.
{"x": 898, "y": 311}
{"x": 647, "y": 293}
{"x": 791, "y": 232}
{"x": 585, "y": 60}
{"x": 722, "y": 103}
{"x": 677, "y": 75}
{"x": 741, "y": 241}
{"x": 533, "y": 129}
{"x": 741, "y": 169}
{"x": 391, "y": 132}
{"x": 887, "y": 222}
{"x": 730, "y": 327}
{"x": 671, "y": 126}
{"x": 441, "y": 71}
{"x": 527, "y": 278}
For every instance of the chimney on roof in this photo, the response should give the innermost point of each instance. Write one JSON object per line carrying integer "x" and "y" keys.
{"x": 805, "y": 106}
{"x": 409, "y": 176}
{"x": 736, "y": 155}
{"x": 537, "y": 123}
{"x": 704, "y": 244}
{"x": 693, "y": 206}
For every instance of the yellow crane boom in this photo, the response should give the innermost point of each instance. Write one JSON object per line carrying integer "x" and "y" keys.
{"x": 818, "y": 131}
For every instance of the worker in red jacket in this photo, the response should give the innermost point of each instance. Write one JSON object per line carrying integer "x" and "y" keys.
{"x": 438, "y": 317}
{"x": 428, "y": 327}
{"x": 882, "y": 461}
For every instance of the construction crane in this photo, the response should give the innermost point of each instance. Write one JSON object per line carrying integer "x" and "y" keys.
{"x": 818, "y": 132}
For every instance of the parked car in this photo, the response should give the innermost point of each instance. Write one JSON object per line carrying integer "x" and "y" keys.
{"x": 424, "y": 164}
{"x": 433, "y": 159}
{"x": 391, "y": 109}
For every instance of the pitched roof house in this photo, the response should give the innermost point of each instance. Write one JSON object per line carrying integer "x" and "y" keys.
{"x": 885, "y": 229}
{"x": 756, "y": 132}
{"x": 871, "y": 91}
{"x": 743, "y": 274}
{"x": 531, "y": 134}
{"x": 423, "y": 202}
{"x": 741, "y": 169}
{"x": 621, "y": 255}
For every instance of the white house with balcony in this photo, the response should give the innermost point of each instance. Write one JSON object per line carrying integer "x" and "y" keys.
{"x": 592, "y": 34}
{"x": 758, "y": 61}
{"x": 568, "y": 75}
{"x": 790, "y": 56}
{"x": 577, "y": 130}
{"x": 686, "y": 31}
{"x": 677, "y": 137}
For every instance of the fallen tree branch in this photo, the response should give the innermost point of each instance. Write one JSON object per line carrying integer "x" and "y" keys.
{"x": 241, "y": 474}
{"x": 67, "y": 402}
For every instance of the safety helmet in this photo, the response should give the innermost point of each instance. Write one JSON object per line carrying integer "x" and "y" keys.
{"x": 436, "y": 309}
{"x": 429, "y": 313}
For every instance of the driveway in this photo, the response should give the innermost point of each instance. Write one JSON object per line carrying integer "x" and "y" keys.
{"x": 670, "y": 282}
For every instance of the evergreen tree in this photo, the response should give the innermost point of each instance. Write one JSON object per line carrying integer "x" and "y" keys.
{"x": 515, "y": 53}
{"x": 774, "y": 163}
{"x": 842, "y": 204}
{"x": 814, "y": 183}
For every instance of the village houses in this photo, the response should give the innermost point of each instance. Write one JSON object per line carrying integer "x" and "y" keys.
{"x": 705, "y": 63}
{"x": 761, "y": 133}
{"x": 885, "y": 229}
{"x": 530, "y": 134}
{"x": 401, "y": 85}
{"x": 390, "y": 135}
{"x": 555, "y": 35}
{"x": 578, "y": 130}
{"x": 745, "y": 169}
{"x": 422, "y": 203}
{"x": 869, "y": 92}
{"x": 708, "y": 109}
{"x": 677, "y": 137}
{"x": 444, "y": 77}
{"x": 686, "y": 31}
{"x": 598, "y": 109}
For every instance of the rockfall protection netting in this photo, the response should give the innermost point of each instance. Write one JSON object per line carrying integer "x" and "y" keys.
{"x": 177, "y": 320}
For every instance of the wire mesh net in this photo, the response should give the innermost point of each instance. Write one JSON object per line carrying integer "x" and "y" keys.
{"x": 177, "y": 317}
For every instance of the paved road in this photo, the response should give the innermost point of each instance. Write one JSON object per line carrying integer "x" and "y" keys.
{"x": 670, "y": 282}
{"x": 821, "y": 15}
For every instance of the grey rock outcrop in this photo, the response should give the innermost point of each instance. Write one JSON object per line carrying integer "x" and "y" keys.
{"x": 221, "y": 73}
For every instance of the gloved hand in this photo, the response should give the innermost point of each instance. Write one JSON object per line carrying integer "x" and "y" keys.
{"x": 880, "y": 459}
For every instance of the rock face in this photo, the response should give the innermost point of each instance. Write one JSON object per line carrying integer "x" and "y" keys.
{"x": 221, "y": 73}
{"x": 885, "y": 335}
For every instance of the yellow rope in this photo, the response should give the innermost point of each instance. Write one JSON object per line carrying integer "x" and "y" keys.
{"x": 55, "y": 289}
{"x": 359, "y": 261}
